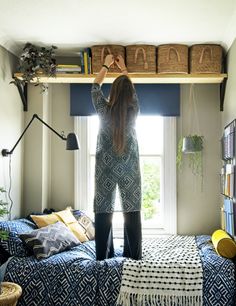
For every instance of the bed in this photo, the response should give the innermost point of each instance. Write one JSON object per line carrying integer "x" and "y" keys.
{"x": 75, "y": 278}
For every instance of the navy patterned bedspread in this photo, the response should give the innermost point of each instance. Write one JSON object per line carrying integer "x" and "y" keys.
{"x": 75, "y": 278}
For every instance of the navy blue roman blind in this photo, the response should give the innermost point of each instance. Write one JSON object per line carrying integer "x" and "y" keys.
{"x": 154, "y": 99}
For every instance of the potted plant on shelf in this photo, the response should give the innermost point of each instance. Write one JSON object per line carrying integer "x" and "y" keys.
{"x": 191, "y": 146}
{"x": 35, "y": 61}
{"x": 3, "y": 212}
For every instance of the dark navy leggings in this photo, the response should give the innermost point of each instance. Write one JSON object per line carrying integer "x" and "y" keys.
{"x": 132, "y": 235}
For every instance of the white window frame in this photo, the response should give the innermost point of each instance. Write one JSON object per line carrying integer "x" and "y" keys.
{"x": 81, "y": 174}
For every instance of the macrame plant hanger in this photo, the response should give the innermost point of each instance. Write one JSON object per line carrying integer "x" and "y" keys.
{"x": 192, "y": 144}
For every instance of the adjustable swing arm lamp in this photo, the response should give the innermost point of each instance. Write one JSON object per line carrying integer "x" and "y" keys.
{"x": 71, "y": 139}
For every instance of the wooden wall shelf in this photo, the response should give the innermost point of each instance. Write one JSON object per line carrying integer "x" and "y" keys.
{"x": 136, "y": 78}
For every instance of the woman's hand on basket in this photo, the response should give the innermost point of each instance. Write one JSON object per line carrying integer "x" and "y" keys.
{"x": 109, "y": 60}
{"x": 121, "y": 63}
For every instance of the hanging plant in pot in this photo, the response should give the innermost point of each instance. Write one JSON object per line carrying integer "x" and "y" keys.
{"x": 191, "y": 146}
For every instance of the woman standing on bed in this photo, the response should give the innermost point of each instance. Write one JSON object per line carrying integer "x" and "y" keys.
{"x": 117, "y": 162}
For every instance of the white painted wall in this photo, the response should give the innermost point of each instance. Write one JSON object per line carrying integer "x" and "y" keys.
{"x": 11, "y": 124}
{"x": 49, "y": 167}
{"x": 62, "y": 163}
{"x": 34, "y": 145}
{"x": 199, "y": 205}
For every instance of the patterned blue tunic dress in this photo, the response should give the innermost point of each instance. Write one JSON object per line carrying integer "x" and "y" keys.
{"x": 111, "y": 169}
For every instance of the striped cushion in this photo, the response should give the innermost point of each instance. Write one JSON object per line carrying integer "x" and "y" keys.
{"x": 50, "y": 240}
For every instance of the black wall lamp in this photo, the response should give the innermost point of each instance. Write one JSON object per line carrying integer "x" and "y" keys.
{"x": 71, "y": 139}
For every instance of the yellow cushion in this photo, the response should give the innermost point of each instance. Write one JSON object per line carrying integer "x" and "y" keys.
{"x": 224, "y": 244}
{"x": 44, "y": 220}
{"x": 78, "y": 231}
{"x": 66, "y": 217}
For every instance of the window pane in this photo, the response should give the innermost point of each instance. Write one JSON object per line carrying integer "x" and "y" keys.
{"x": 150, "y": 134}
{"x": 151, "y": 191}
{"x": 93, "y": 126}
{"x": 150, "y": 138}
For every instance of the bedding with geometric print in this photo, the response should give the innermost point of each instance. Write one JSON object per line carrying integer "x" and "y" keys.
{"x": 13, "y": 244}
{"x": 75, "y": 278}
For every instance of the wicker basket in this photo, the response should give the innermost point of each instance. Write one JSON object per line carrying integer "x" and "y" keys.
{"x": 172, "y": 58}
{"x": 100, "y": 52}
{"x": 10, "y": 293}
{"x": 141, "y": 58}
{"x": 206, "y": 58}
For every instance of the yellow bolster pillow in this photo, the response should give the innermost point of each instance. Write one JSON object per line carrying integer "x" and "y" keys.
{"x": 224, "y": 244}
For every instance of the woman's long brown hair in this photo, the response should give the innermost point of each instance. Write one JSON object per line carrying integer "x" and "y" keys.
{"x": 123, "y": 108}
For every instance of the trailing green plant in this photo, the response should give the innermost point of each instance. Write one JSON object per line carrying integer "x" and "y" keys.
{"x": 3, "y": 212}
{"x": 179, "y": 157}
{"x": 34, "y": 61}
{"x": 194, "y": 155}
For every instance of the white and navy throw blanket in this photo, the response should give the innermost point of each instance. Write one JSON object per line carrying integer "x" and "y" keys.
{"x": 169, "y": 274}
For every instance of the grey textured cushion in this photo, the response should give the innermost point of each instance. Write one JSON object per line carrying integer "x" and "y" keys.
{"x": 50, "y": 240}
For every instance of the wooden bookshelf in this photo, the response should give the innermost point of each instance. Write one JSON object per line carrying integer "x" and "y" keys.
{"x": 136, "y": 78}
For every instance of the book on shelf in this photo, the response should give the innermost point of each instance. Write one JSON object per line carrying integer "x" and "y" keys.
{"x": 67, "y": 66}
{"x": 222, "y": 218}
{"x": 234, "y": 217}
{"x": 85, "y": 55}
{"x": 89, "y": 52}
{"x": 81, "y": 60}
{"x": 228, "y": 141}
{"x": 227, "y": 180}
{"x": 230, "y": 217}
{"x": 85, "y": 60}
{"x": 230, "y": 180}
{"x": 68, "y": 69}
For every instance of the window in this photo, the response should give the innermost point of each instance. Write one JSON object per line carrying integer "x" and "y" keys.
{"x": 156, "y": 136}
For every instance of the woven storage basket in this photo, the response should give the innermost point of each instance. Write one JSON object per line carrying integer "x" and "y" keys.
{"x": 206, "y": 58}
{"x": 10, "y": 293}
{"x": 100, "y": 52}
{"x": 172, "y": 58}
{"x": 141, "y": 58}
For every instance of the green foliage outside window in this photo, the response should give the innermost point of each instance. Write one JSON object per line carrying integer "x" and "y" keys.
{"x": 151, "y": 189}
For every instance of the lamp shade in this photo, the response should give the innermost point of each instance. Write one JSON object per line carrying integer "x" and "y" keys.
{"x": 72, "y": 142}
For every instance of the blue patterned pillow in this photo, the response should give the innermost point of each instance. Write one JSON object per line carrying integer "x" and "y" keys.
{"x": 14, "y": 245}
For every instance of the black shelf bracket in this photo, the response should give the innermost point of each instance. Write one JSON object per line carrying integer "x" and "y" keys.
{"x": 224, "y": 82}
{"x": 222, "y": 94}
{"x": 22, "y": 89}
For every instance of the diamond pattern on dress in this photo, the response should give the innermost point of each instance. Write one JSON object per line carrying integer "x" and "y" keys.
{"x": 109, "y": 184}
